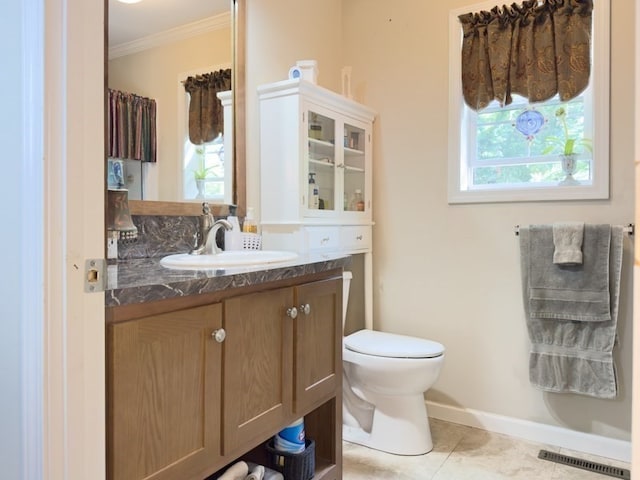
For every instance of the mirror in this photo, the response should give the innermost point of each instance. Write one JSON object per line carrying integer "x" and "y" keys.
{"x": 153, "y": 46}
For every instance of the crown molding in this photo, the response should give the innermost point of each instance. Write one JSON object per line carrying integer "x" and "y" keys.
{"x": 172, "y": 35}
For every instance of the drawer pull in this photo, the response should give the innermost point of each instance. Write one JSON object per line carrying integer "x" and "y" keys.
{"x": 359, "y": 237}
{"x": 305, "y": 308}
{"x": 325, "y": 240}
{"x": 219, "y": 335}
{"x": 292, "y": 312}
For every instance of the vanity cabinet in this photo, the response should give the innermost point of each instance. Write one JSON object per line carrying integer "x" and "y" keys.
{"x": 192, "y": 390}
{"x": 308, "y": 132}
{"x": 164, "y": 403}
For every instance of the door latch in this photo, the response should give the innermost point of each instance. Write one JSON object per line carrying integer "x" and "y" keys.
{"x": 94, "y": 275}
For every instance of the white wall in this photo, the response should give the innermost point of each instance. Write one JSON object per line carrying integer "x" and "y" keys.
{"x": 461, "y": 284}
{"x": 11, "y": 242}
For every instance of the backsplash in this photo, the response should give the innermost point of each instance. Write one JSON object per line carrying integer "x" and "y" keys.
{"x": 160, "y": 235}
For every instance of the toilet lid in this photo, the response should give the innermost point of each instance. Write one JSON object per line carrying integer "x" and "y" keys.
{"x": 382, "y": 344}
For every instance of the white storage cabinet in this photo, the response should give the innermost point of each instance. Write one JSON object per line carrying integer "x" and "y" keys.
{"x": 306, "y": 129}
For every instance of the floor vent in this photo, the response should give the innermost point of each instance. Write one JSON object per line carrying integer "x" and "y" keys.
{"x": 585, "y": 465}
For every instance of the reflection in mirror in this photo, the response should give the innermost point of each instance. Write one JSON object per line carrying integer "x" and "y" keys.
{"x": 153, "y": 48}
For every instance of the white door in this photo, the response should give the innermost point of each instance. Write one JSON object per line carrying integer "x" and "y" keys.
{"x": 73, "y": 393}
{"x": 635, "y": 430}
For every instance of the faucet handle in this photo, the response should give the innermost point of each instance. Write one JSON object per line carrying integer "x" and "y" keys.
{"x": 206, "y": 210}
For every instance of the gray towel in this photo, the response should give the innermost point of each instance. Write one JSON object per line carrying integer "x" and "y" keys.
{"x": 563, "y": 292}
{"x": 567, "y": 239}
{"x": 566, "y": 355}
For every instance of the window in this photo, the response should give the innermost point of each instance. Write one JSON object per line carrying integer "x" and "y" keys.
{"x": 206, "y": 171}
{"x": 503, "y": 154}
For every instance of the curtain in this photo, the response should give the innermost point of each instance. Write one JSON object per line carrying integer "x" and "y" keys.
{"x": 132, "y": 127}
{"x": 535, "y": 50}
{"x": 205, "y": 109}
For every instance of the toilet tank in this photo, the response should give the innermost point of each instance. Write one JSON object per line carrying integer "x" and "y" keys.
{"x": 346, "y": 283}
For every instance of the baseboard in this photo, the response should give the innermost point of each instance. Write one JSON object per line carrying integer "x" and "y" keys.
{"x": 534, "y": 432}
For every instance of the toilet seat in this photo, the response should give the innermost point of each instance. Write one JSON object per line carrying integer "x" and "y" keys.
{"x": 391, "y": 345}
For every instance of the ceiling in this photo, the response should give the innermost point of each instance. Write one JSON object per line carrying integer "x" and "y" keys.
{"x": 128, "y": 22}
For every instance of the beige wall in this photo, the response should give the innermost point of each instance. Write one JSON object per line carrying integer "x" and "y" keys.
{"x": 279, "y": 33}
{"x": 155, "y": 73}
{"x": 448, "y": 272}
{"x": 461, "y": 284}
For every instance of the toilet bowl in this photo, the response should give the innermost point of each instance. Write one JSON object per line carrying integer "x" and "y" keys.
{"x": 385, "y": 376}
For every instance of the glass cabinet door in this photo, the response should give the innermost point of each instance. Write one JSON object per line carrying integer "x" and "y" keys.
{"x": 322, "y": 162}
{"x": 354, "y": 143}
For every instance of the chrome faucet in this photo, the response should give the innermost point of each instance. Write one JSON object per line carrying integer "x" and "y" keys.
{"x": 211, "y": 244}
{"x": 208, "y": 228}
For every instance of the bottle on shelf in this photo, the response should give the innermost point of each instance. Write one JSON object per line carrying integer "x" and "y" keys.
{"x": 357, "y": 202}
{"x": 314, "y": 192}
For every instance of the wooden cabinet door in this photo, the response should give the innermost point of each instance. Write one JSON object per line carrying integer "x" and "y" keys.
{"x": 257, "y": 367}
{"x": 163, "y": 395}
{"x": 317, "y": 344}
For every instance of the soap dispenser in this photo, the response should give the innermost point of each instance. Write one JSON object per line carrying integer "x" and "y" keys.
{"x": 314, "y": 192}
{"x": 249, "y": 225}
{"x": 233, "y": 237}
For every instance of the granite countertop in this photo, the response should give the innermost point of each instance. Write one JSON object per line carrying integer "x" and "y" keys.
{"x": 145, "y": 280}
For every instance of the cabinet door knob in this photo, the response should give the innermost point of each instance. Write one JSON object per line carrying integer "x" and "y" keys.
{"x": 305, "y": 308}
{"x": 292, "y": 312}
{"x": 219, "y": 335}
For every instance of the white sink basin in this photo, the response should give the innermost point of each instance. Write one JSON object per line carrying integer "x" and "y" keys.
{"x": 235, "y": 258}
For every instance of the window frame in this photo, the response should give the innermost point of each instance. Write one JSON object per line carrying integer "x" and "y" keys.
{"x": 458, "y": 191}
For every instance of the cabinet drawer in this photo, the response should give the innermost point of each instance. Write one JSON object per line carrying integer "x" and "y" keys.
{"x": 355, "y": 238}
{"x": 322, "y": 238}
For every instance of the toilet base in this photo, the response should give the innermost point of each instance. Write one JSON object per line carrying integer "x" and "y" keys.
{"x": 400, "y": 426}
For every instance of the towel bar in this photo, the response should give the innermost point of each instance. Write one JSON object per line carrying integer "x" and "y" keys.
{"x": 629, "y": 228}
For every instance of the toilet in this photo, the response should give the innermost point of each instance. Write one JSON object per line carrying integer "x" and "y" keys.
{"x": 385, "y": 376}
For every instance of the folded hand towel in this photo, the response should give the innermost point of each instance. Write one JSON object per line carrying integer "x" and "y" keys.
{"x": 567, "y": 238}
{"x": 563, "y": 292}
{"x": 237, "y": 471}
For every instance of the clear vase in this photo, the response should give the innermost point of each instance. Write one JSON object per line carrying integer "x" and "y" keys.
{"x": 569, "y": 164}
{"x": 200, "y": 186}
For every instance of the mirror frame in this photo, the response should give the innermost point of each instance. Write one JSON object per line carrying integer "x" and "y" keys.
{"x": 153, "y": 207}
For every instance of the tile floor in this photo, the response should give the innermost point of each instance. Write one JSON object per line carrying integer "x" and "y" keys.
{"x": 467, "y": 453}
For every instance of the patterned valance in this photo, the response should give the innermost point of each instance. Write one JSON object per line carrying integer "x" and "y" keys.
{"x": 206, "y": 120}
{"x": 132, "y": 127}
{"x": 534, "y": 50}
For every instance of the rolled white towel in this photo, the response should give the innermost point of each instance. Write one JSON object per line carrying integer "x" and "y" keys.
{"x": 272, "y": 475}
{"x": 256, "y": 473}
{"x": 237, "y": 471}
{"x": 268, "y": 474}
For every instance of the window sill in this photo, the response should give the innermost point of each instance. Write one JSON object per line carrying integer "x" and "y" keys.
{"x": 529, "y": 194}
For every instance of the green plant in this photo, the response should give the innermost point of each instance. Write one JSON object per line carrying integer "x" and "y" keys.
{"x": 201, "y": 172}
{"x": 567, "y": 144}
